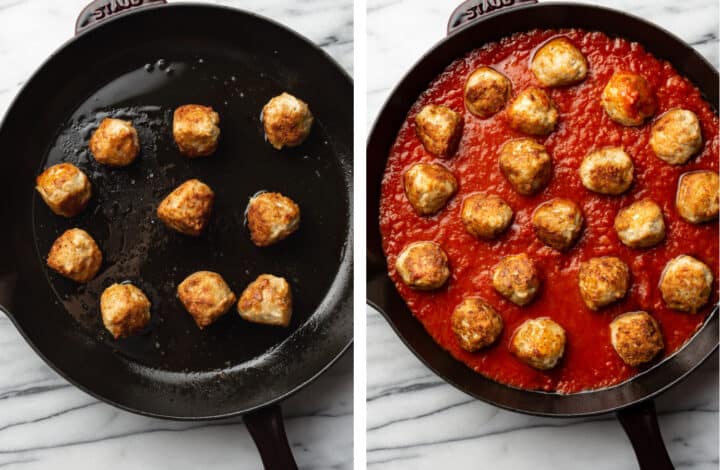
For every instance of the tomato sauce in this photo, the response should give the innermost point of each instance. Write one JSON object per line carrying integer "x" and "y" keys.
{"x": 589, "y": 361}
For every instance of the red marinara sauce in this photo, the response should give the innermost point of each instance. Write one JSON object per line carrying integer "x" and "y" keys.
{"x": 589, "y": 361}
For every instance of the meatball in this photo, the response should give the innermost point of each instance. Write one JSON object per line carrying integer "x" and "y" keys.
{"x": 206, "y": 296}
{"x": 636, "y": 337}
{"x": 115, "y": 143}
{"x": 428, "y": 186}
{"x": 540, "y": 343}
{"x": 516, "y": 278}
{"x": 533, "y": 112}
{"x": 558, "y": 63}
{"x": 628, "y": 99}
{"x": 686, "y": 284}
{"x": 607, "y": 171}
{"x": 558, "y": 223}
{"x": 676, "y": 136}
{"x": 187, "y": 209}
{"x": 287, "y": 121}
{"x": 439, "y": 129}
{"x": 423, "y": 266}
{"x": 271, "y": 217}
{"x": 697, "y": 196}
{"x": 475, "y": 324}
{"x": 125, "y": 310}
{"x": 641, "y": 224}
{"x": 267, "y": 300}
{"x": 195, "y": 129}
{"x": 486, "y": 215}
{"x": 65, "y": 189}
{"x": 602, "y": 281}
{"x": 75, "y": 255}
{"x": 526, "y": 165}
{"x": 486, "y": 92}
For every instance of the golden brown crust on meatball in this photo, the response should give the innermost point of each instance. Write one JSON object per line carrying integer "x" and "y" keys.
{"x": 486, "y": 215}
{"x": 439, "y": 129}
{"x": 686, "y": 284}
{"x": 187, "y": 209}
{"x": 516, "y": 278}
{"x": 526, "y": 165}
{"x": 603, "y": 280}
{"x": 533, "y": 112}
{"x": 641, "y": 224}
{"x": 267, "y": 300}
{"x": 75, "y": 255}
{"x": 287, "y": 121}
{"x": 558, "y": 223}
{"x": 428, "y": 187}
{"x": 125, "y": 310}
{"x": 636, "y": 337}
{"x": 676, "y": 136}
{"x": 272, "y": 217}
{"x": 698, "y": 196}
{"x": 423, "y": 265}
{"x": 206, "y": 296}
{"x": 486, "y": 92}
{"x": 628, "y": 99}
{"x": 559, "y": 62}
{"x": 540, "y": 343}
{"x": 115, "y": 143}
{"x": 195, "y": 129}
{"x": 475, "y": 324}
{"x": 65, "y": 189}
{"x": 607, "y": 171}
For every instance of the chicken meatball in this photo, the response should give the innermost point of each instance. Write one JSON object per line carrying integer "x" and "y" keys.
{"x": 267, "y": 300}
{"x": 475, "y": 324}
{"x": 125, "y": 310}
{"x": 676, "y": 136}
{"x": 486, "y": 215}
{"x": 641, "y": 224}
{"x": 187, "y": 209}
{"x": 533, "y": 112}
{"x": 65, "y": 189}
{"x": 559, "y": 63}
{"x": 195, "y": 129}
{"x": 272, "y": 217}
{"x": 607, "y": 171}
{"x": 686, "y": 284}
{"x": 526, "y": 165}
{"x": 540, "y": 343}
{"x": 558, "y": 223}
{"x": 75, "y": 255}
{"x": 287, "y": 121}
{"x": 486, "y": 92}
{"x": 423, "y": 266}
{"x": 115, "y": 143}
{"x": 603, "y": 280}
{"x": 428, "y": 187}
{"x": 439, "y": 129}
{"x": 206, "y": 296}
{"x": 636, "y": 337}
{"x": 628, "y": 99}
{"x": 516, "y": 278}
{"x": 697, "y": 196}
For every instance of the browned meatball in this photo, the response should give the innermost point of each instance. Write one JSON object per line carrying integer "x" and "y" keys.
{"x": 486, "y": 215}
{"x": 540, "y": 343}
{"x": 516, "y": 278}
{"x": 196, "y": 131}
{"x": 533, "y": 112}
{"x": 486, "y": 92}
{"x": 439, "y": 129}
{"x": 559, "y": 63}
{"x": 641, "y": 224}
{"x": 267, "y": 300}
{"x": 287, "y": 121}
{"x": 603, "y": 280}
{"x": 428, "y": 187}
{"x": 607, "y": 171}
{"x": 676, "y": 136}
{"x": 65, "y": 189}
{"x": 75, "y": 255}
{"x": 698, "y": 196}
{"x": 115, "y": 143}
{"x": 526, "y": 165}
{"x": 686, "y": 284}
{"x": 636, "y": 337}
{"x": 558, "y": 223}
{"x": 628, "y": 99}
{"x": 206, "y": 296}
{"x": 475, "y": 324}
{"x": 423, "y": 266}
{"x": 187, "y": 209}
{"x": 272, "y": 217}
{"x": 125, "y": 310}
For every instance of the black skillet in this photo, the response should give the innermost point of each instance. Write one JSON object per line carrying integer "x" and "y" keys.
{"x": 139, "y": 64}
{"x": 470, "y": 27}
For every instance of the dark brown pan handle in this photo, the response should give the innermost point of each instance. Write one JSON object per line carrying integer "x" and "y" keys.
{"x": 641, "y": 425}
{"x": 472, "y": 10}
{"x": 100, "y": 10}
{"x": 268, "y": 431}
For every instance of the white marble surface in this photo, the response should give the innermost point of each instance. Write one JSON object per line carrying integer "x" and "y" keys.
{"x": 46, "y": 423}
{"x": 417, "y": 421}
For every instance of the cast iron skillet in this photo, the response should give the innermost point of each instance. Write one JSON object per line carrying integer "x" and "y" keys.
{"x": 470, "y": 28}
{"x": 140, "y": 66}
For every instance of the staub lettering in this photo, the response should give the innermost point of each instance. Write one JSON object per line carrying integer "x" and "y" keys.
{"x": 487, "y": 6}
{"x": 115, "y": 6}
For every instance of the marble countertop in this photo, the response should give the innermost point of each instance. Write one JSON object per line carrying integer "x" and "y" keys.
{"x": 414, "y": 419}
{"x": 47, "y": 423}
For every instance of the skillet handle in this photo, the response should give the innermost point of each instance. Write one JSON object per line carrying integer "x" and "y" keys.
{"x": 100, "y": 10}
{"x": 471, "y": 10}
{"x": 641, "y": 425}
{"x": 268, "y": 431}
